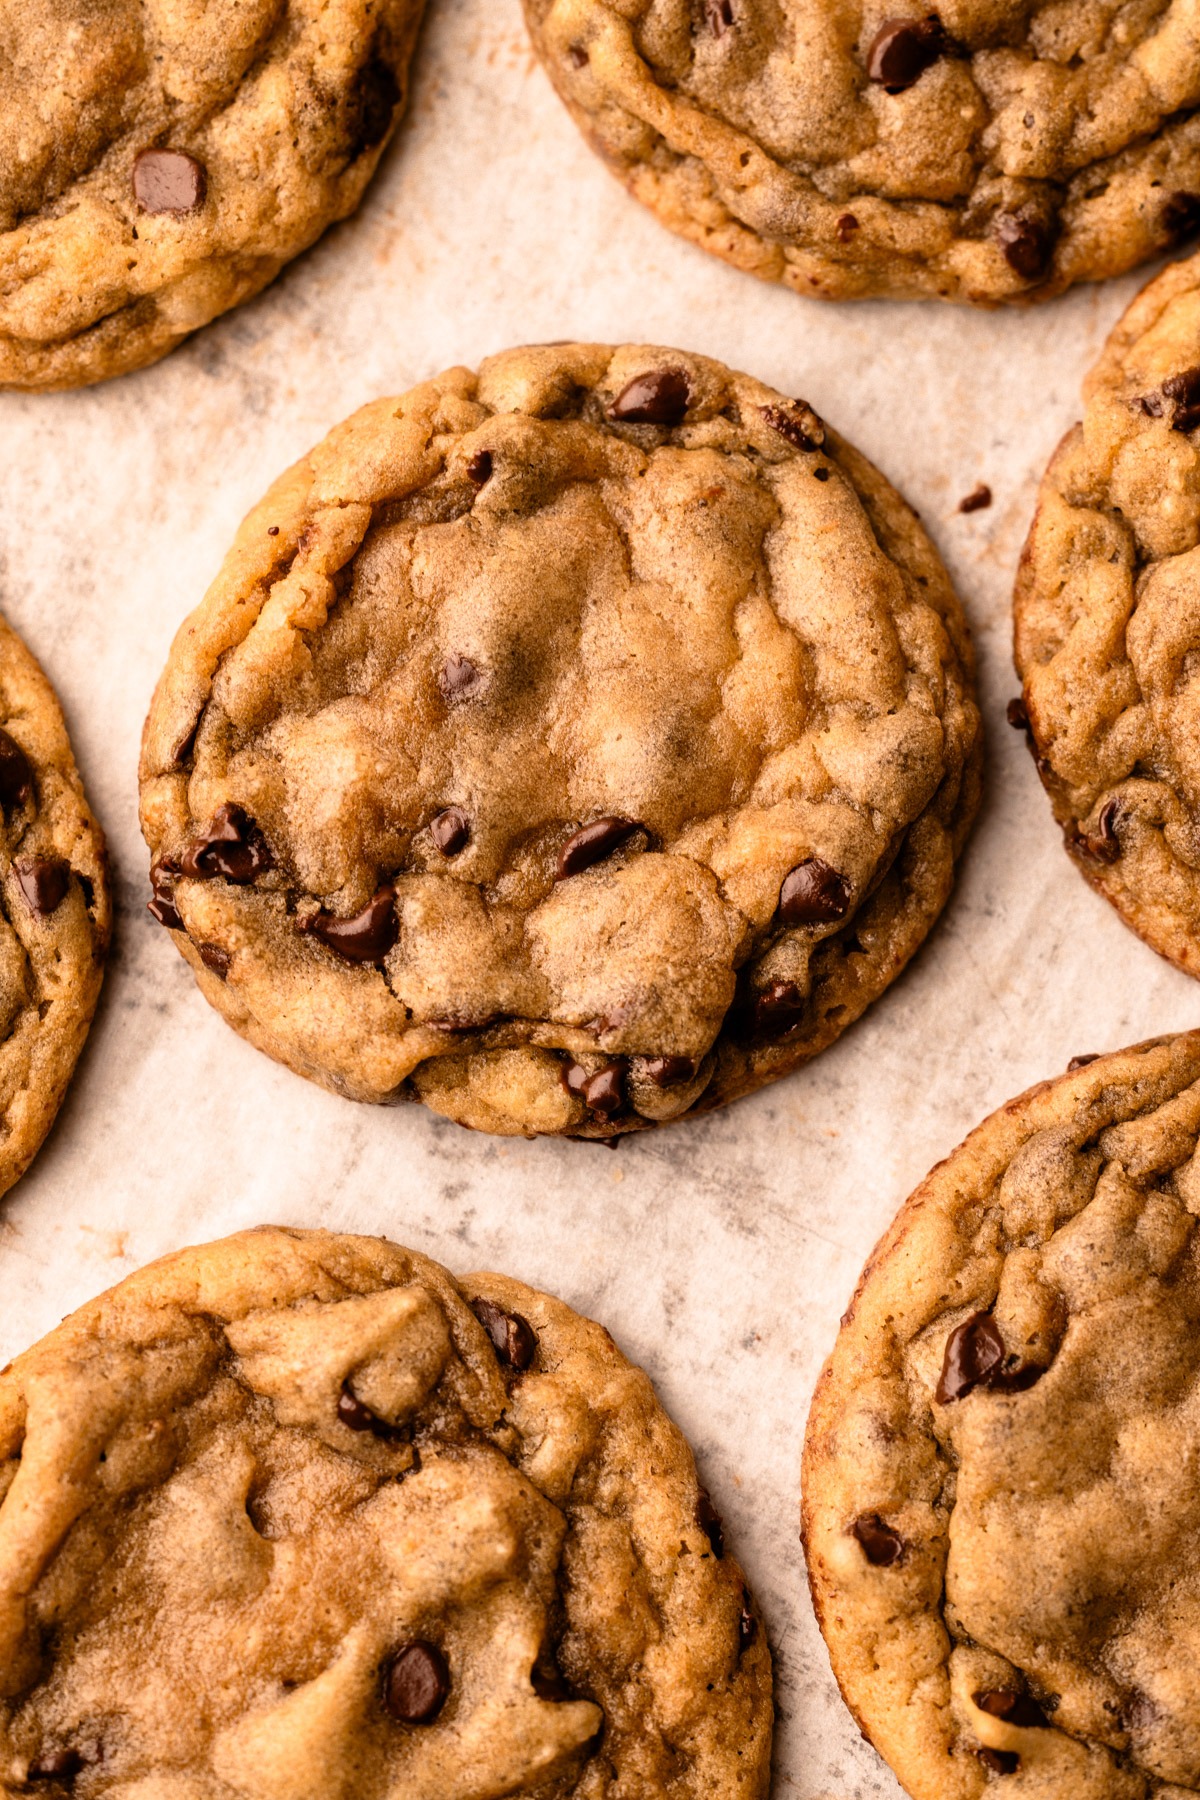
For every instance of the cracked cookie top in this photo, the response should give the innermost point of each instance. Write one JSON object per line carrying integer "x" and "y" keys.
{"x": 297, "y": 1516}
{"x": 1107, "y": 623}
{"x": 976, "y": 152}
{"x": 1000, "y": 1497}
{"x": 55, "y": 910}
{"x": 160, "y": 160}
{"x": 569, "y": 745}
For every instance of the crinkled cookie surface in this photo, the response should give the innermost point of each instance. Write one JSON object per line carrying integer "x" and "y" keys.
{"x": 296, "y": 1516}
{"x": 1108, "y": 623}
{"x": 569, "y": 746}
{"x": 1001, "y": 1494}
{"x": 160, "y": 160}
{"x": 981, "y": 152}
{"x": 55, "y": 909}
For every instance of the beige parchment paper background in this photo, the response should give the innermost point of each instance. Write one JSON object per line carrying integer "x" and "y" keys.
{"x": 720, "y": 1254}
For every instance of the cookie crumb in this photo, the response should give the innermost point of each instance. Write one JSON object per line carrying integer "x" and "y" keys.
{"x": 979, "y": 497}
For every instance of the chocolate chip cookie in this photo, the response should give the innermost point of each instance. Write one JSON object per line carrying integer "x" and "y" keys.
{"x": 297, "y": 1516}
{"x": 1108, "y": 631}
{"x": 570, "y": 746}
{"x": 1001, "y": 1496}
{"x": 160, "y": 161}
{"x": 977, "y": 152}
{"x": 55, "y": 912}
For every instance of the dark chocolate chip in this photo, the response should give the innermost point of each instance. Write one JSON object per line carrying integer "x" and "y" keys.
{"x": 272, "y": 531}
{"x": 416, "y": 1683}
{"x": 1000, "y": 1762}
{"x": 1016, "y": 714}
{"x": 902, "y": 49}
{"x": 604, "y": 1092}
{"x": 450, "y": 830}
{"x": 367, "y": 937}
{"x": 55, "y": 1765}
{"x": 592, "y": 843}
{"x": 779, "y": 1008}
{"x": 880, "y": 1544}
{"x": 458, "y": 678}
{"x": 709, "y": 1521}
{"x": 373, "y": 104}
{"x": 845, "y": 226}
{"x": 573, "y": 1075}
{"x": 1013, "y": 1708}
{"x": 1180, "y": 216}
{"x": 1025, "y": 242}
{"x": 479, "y": 469}
{"x": 979, "y": 497}
{"x": 357, "y": 1417}
{"x": 577, "y": 56}
{"x": 1183, "y": 392}
{"x": 44, "y": 881}
{"x": 168, "y": 181}
{"x": 233, "y": 847}
{"x": 747, "y": 1624}
{"x": 216, "y": 959}
{"x": 1102, "y": 845}
{"x": 821, "y": 474}
{"x": 16, "y": 775}
{"x": 974, "y": 1353}
{"x": 162, "y": 886}
{"x": 181, "y": 754}
{"x": 790, "y": 427}
{"x": 513, "y": 1337}
{"x": 813, "y": 893}
{"x": 1081, "y": 1062}
{"x": 660, "y": 397}
{"x": 667, "y": 1071}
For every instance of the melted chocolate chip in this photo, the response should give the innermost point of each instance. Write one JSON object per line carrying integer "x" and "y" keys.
{"x": 216, "y": 959}
{"x": 1180, "y": 216}
{"x": 367, "y": 937}
{"x": 1183, "y": 392}
{"x": 1081, "y": 1062}
{"x": 1013, "y": 1708}
{"x": 979, "y": 497}
{"x": 513, "y": 1338}
{"x": 479, "y": 469}
{"x": 357, "y": 1417}
{"x": 450, "y": 830}
{"x": 458, "y": 678}
{"x": 747, "y": 1624}
{"x": 1102, "y": 845}
{"x": 902, "y": 49}
{"x": 813, "y": 894}
{"x": 577, "y": 56}
{"x": 779, "y": 1008}
{"x": 880, "y": 1544}
{"x": 976, "y": 1357}
{"x": 592, "y": 843}
{"x": 846, "y": 226}
{"x": 43, "y": 880}
{"x": 1025, "y": 242}
{"x": 667, "y": 1071}
{"x": 373, "y": 106}
{"x": 168, "y": 181}
{"x": 55, "y": 1765}
{"x": 416, "y": 1683}
{"x": 1017, "y": 715}
{"x": 1000, "y": 1762}
{"x": 16, "y": 775}
{"x": 709, "y": 1521}
{"x": 604, "y": 1092}
{"x": 718, "y": 16}
{"x": 789, "y": 426}
{"x": 232, "y": 847}
{"x": 162, "y": 904}
{"x": 660, "y": 397}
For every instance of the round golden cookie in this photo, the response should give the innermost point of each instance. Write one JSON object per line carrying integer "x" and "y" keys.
{"x": 1108, "y": 627}
{"x": 1001, "y": 1498}
{"x": 55, "y": 909}
{"x": 980, "y": 152}
{"x": 570, "y": 746}
{"x": 160, "y": 161}
{"x": 297, "y": 1516}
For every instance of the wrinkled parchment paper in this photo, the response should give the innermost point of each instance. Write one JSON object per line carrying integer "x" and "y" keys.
{"x": 720, "y": 1254}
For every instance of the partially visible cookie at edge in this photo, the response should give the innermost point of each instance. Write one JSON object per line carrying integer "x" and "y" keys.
{"x": 972, "y": 152}
{"x": 160, "y": 163}
{"x": 55, "y": 908}
{"x": 573, "y": 746}
{"x": 1107, "y": 624}
{"x": 1001, "y": 1497}
{"x": 364, "y": 1530}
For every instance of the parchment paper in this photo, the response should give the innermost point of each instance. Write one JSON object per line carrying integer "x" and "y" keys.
{"x": 720, "y": 1254}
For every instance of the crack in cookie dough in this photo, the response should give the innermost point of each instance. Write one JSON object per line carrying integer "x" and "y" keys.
{"x": 977, "y": 152}
{"x": 160, "y": 161}
{"x": 571, "y": 745}
{"x": 1000, "y": 1502}
{"x": 55, "y": 910}
{"x": 297, "y": 1516}
{"x": 1107, "y": 629}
